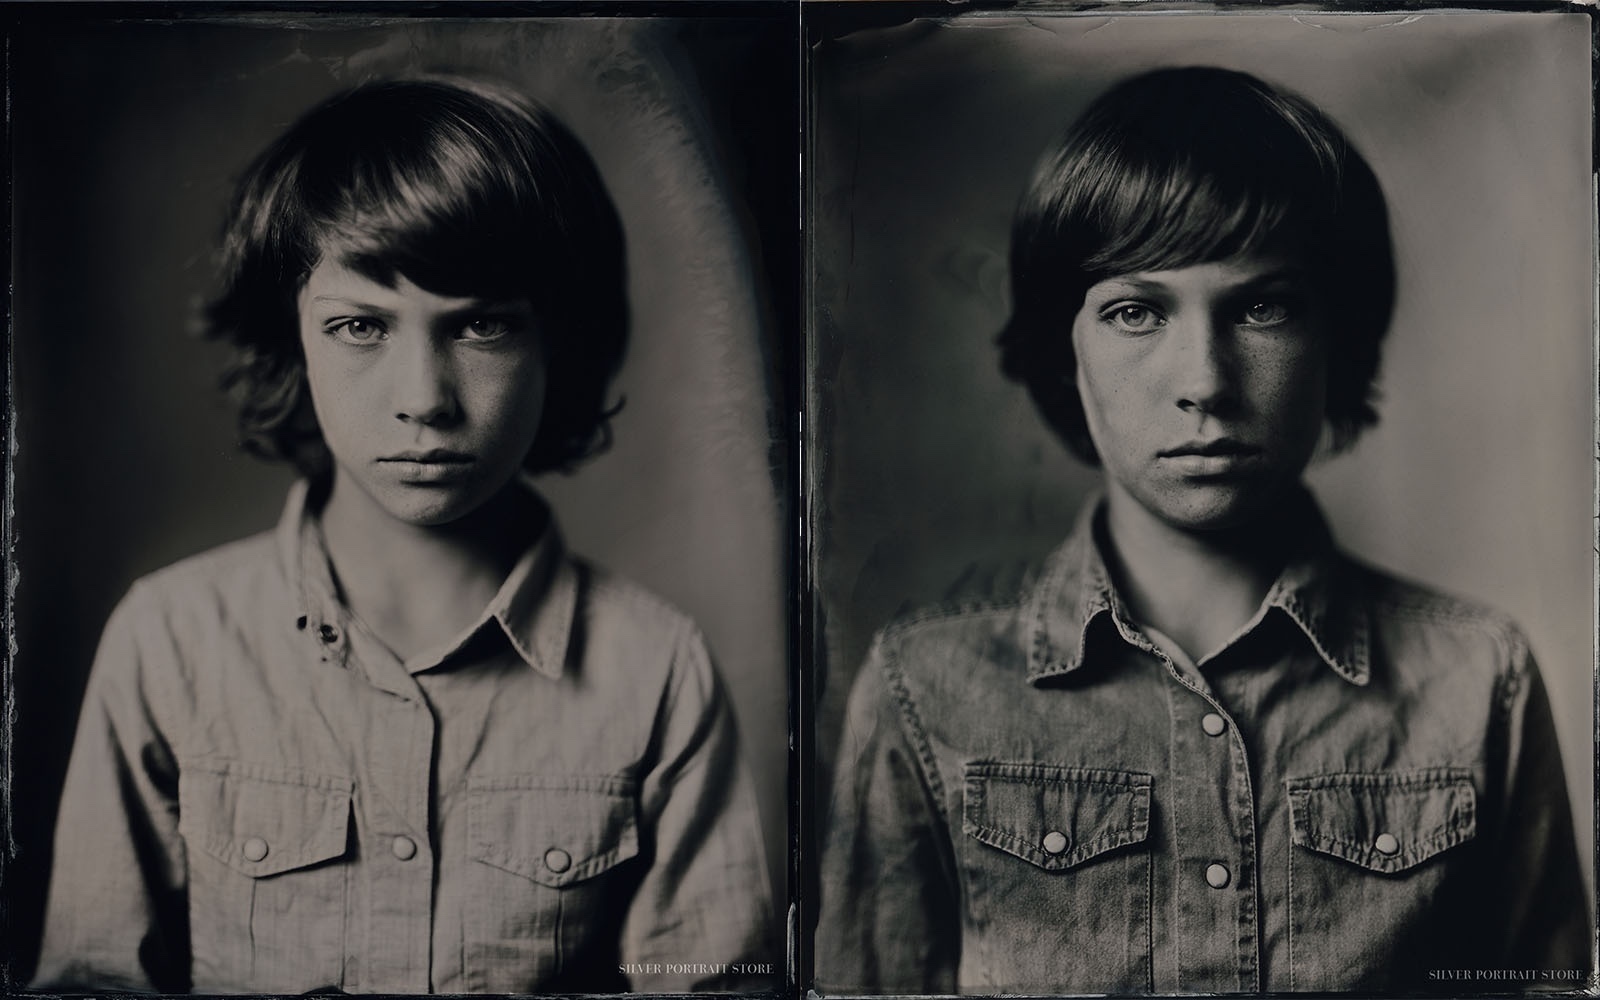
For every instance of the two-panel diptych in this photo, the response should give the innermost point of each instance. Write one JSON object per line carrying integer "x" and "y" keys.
{"x": 800, "y": 499}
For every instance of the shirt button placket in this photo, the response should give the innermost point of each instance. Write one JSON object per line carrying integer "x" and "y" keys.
{"x": 1218, "y": 876}
{"x": 1216, "y": 817}
{"x": 400, "y": 863}
{"x": 404, "y": 848}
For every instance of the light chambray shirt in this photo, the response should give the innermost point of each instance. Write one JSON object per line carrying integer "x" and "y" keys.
{"x": 263, "y": 798}
{"x": 1360, "y": 791}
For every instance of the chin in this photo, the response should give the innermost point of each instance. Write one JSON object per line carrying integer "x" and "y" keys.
{"x": 1214, "y": 506}
{"x": 428, "y": 508}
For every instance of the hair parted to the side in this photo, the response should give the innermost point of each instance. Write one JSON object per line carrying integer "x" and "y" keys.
{"x": 462, "y": 187}
{"x": 1178, "y": 167}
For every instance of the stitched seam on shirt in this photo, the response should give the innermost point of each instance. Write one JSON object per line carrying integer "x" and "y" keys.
{"x": 600, "y": 583}
{"x": 911, "y": 726}
{"x": 1459, "y": 827}
{"x": 1293, "y": 909}
{"x": 1456, "y": 829}
{"x": 1171, "y": 791}
{"x": 1446, "y": 610}
{"x": 159, "y": 689}
{"x": 1025, "y": 850}
{"x": 1132, "y": 787}
{"x": 1442, "y": 776}
{"x": 1055, "y": 773}
{"x": 273, "y": 774}
{"x": 949, "y": 613}
{"x": 1252, "y": 870}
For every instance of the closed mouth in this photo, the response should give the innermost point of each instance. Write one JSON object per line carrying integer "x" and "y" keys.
{"x": 1207, "y": 449}
{"x": 437, "y": 456}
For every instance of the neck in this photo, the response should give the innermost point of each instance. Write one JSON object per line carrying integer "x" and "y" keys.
{"x": 1197, "y": 587}
{"x": 420, "y": 585}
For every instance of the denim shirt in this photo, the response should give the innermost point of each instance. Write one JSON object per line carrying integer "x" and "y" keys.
{"x": 263, "y": 798}
{"x": 1361, "y": 790}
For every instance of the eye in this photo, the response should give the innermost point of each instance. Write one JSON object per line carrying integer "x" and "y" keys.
{"x": 483, "y": 328}
{"x": 357, "y": 330}
{"x": 1133, "y": 317}
{"x": 1268, "y": 312}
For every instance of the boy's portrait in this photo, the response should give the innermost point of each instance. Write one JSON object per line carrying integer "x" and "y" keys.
{"x": 399, "y": 459}
{"x": 1203, "y": 412}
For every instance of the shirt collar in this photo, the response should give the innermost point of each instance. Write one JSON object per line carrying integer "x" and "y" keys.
{"x": 535, "y": 607}
{"x": 1314, "y": 589}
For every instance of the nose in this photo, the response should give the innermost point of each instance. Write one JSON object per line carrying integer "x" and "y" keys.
{"x": 1205, "y": 366}
{"x": 424, "y": 384}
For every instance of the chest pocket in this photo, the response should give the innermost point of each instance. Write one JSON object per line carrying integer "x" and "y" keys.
{"x": 1372, "y": 868}
{"x": 552, "y": 879}
{"x": 267, "y": 886}
{"x": 1385, "y": 823}
{"x": 1052, "y": 856}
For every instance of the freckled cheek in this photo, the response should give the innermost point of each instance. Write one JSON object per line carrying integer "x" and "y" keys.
{"x": 1294, "y": 392}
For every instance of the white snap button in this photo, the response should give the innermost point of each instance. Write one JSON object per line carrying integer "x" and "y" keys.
{"x": 255, "y": 849}
{"x": 557, "y": 860}
{"x": 404, "y": 848}
{"x": 1217, "y": 876}
{"x": 1055, "y": 842}
{"x": 1213, "y": 724}
{"x": 1387, "y": 844}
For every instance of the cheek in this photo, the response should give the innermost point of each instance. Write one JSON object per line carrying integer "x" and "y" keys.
{"x": 1088, "y": 398}
{"x": 1290, "y": 401}
{"x": 1296, "y": 382}
{"x": 317, "y": 376}
{"x": 511, "y": 396}
{"x": 1103, "y": 386}
{"x": 334, "y": 390}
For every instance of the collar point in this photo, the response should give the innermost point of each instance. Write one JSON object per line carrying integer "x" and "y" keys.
{"x": 1042, "y": 669}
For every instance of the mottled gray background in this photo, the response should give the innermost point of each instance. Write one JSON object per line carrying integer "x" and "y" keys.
{"x": 928, "y": 467}
{"x": 128, "y": 139}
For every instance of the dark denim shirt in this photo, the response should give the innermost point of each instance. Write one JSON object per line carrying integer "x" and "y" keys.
{"x": 263, "y": 798}
{"x": 1361, "y": 790}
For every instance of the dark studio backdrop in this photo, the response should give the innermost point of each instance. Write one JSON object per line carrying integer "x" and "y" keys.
{"x": 128, "y": 136}
{"x": 928, "y": 468}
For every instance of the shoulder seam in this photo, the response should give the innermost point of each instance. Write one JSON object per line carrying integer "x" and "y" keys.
{"x": 949, "y": 612}
{"x": 911, "y": 725}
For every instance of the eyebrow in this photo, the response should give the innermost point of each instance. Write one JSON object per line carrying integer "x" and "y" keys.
{"x": 1291, "y": 273}
{"x": 470, "y": 306}
{"x": 349, "y": 303}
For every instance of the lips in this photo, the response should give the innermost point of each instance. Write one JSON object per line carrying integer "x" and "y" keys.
{"x": 436, "y": 456}
{"x": 434, "y": 467}
{"x": 1216, "y": 446}
{"x": 1215, "y": 457}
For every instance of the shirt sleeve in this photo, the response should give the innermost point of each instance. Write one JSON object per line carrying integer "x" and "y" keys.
{"x": 701, "y": 918}
{"x": 1545, "y": 920}
{"x": 889, "y": 918}
{"x": 116, "y": 917}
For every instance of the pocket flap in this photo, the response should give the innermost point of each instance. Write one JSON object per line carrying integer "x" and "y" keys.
{"x": 263, "y": 821}
{"x": 1055, "y": 817}
{"x": 553, "y": 830}
{"x": 1386, "y": 822}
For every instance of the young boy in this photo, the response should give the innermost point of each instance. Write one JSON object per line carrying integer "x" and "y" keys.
{"x": 1204, "y": 751}
{"x": 405, "y": 743}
